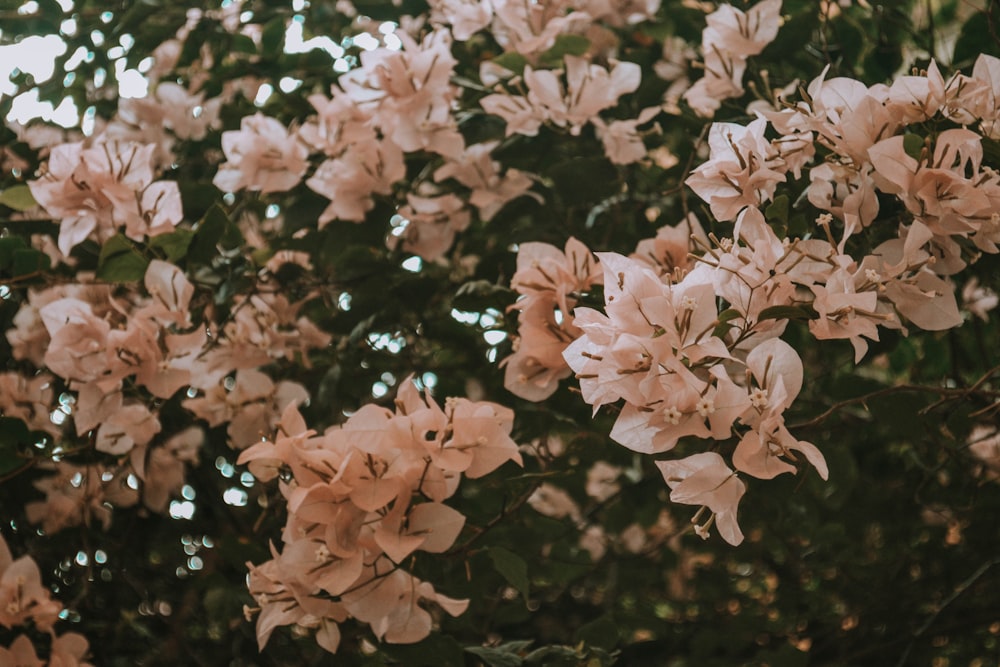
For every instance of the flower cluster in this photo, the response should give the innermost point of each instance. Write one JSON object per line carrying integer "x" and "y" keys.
{"x": 657, "y": 348}
{"x": 24, "y": 601}
{"x": 105, "y": 347}
{"x": 731, "y": 37}
{"x": 698, "y": 354}
{"x": 96, "y": 191}
{"x": 219, "y": 338}
{"x": 362, "y": 499}
{"x": 549, "y": 281}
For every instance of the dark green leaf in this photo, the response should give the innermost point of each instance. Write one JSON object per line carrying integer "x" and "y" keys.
{"x": 28, "y": 260}
{"x": 913, "y": 144}
{"x": 602, "y": 632}
{"x": 974, "y": 39}
{"x": 272, "y": 37}
{"x": 585, "y": 180}
{"x": 505, "y": 655}
{"x": 121, "y": 261}
{"x": 215, "y": 230}
{"x": 477, "y": 293}
{"x": 778, "y": 210}
{"x": 566, "y": 45}
{"x": 18, "y": 197}
{"x": 13, "y": 434}
{"x": 553, "y": 655}
{"x": 991, "y": 151}
{"x": 512, "y": 61}
{"x": 174, "y": 245}
{"x": 729, "y": 314}
{"x": 787, "y": 313}
{"x": 512, "y": 568}
{"x": 243, "y": 44}
{"x": 8, "y": 246}
{"x": 437, "y": 650}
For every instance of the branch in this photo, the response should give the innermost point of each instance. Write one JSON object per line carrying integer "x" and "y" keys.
{"x": 946, "y": 392}
{"x": 962, "y": 587}
{"x": 504, "y": 513}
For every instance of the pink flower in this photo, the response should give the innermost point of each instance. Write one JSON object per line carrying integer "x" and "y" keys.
{"x": 548, "y": 280}
{"x": 79, "y": 494}
{"x": 729, "y": 39}
{"x": 96, "y": 191}
{"x": 476, "y": 170}
{"x": 844, "y": 312}
{"x": 350, "y": 180}
{"x": 410, "y": 94}
{"x": 705, "y": 479}
{"x": 23, "y": 598}
{"x": 669, "y": 250}
{"x": 621, "y": 139}
{"x": 979, "y": 299}
{"x": 21, "y": 653}
{"x": 589, "y": 89}
{"x": 262, "y": 156}
{"x": 743, "y": 34}
{"x": 28, "y": 399}
{"x": 79, "y": 340}
{"x": 743, "y": 169}
{"x": 430, "y": 224}
{"x": 531, "y": 29}
{"x": 466, "y": 17}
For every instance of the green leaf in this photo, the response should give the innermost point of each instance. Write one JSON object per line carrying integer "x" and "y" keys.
{"x": 602, "y": 632}
{"x": 242, "y": 44}
{"x": 974, "y": 39}
{"x": 512, "y": 61}
{"x": 121, "y": 261}
{"x": 437, "y": 650}
{"x": 991, "y": 150}
{"x": 553, "y": 655}
{"x": 565, "y": 45}
{"x": 913, "y": 144}
{"x": 778, "y": 210}
{"x": 13, "y": 434}
{"x": 174, "y": 245}
{"x": 8, "y": 246}
{"x": 729, "y": 314}
{"x": 512, "y": 568}
{"x": 29, "y": 260}
{"x": 215, "y": 230}
{"x": 272, "y": 37}
{"x": 851, "y": 38}
{"x": 478, "y": 293}
{"x": 505, "y": 655}
{"x": 18, "y": 197}
{"x": 787, "y": 313}
{"x": 585, "y": 180}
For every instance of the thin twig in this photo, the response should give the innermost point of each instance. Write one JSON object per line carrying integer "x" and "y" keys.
{"x": 962, "y": 587}
{"x": 942, "y": 391}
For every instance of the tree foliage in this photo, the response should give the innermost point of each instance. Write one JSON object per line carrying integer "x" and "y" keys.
{"x": 453, "y": 333}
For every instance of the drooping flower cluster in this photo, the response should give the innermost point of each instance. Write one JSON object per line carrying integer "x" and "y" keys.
{"x": 355, "y": 516}
{"x": 658, "y": 347}
{"x": 697, "y": 354}
{"x": 549, "y": 281}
